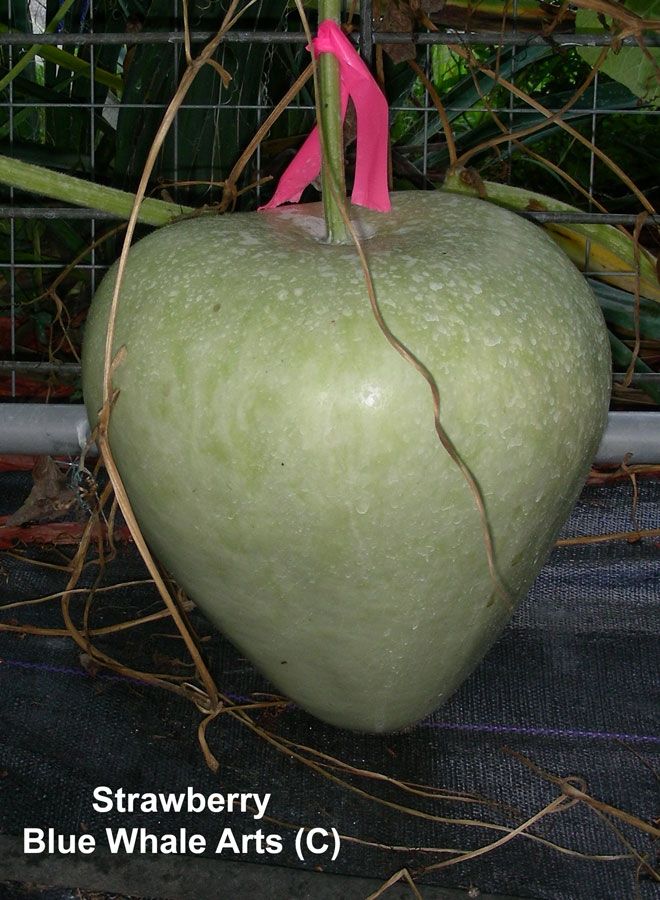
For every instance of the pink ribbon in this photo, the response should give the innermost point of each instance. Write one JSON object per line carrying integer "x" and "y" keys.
{"x": 370, "y": 183}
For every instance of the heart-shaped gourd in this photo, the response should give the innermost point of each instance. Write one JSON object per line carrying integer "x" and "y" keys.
{"x": 281, "y": 457}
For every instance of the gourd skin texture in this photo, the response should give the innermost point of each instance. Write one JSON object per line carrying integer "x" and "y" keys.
{"x": 281, "y": 457}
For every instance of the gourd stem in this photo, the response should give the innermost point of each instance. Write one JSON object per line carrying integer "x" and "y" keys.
{"x": 68, "y": 188}
{"x": 333, "y": 183}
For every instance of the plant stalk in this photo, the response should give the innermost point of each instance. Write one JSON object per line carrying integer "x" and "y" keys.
{"x": 31, "y": 52}
{"x": 333, "y": 182}
{"x": 611, "y": 250}
{"x": 36, "y": 179}
{"x": 78, "y": 66}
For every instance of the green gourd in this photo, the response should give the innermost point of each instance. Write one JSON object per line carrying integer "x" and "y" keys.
{"x": 281, "y": 457}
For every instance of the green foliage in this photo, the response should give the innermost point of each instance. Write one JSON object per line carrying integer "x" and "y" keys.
{"x": 478, "y": 109}
{"x": 210, "y": 129}
{"x": 53, "y": 123}
{"x": 618, "y": 308}
{"x": 636, "y": 67}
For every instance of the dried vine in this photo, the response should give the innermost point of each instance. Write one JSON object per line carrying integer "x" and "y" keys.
{"x": 204, "y": 693}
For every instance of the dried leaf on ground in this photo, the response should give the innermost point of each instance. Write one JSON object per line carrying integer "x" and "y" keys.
{"x": 50, "y": 498}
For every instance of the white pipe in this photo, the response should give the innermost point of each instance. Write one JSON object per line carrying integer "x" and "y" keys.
{"x": 63, "y": 430}
{"x": 632, "y": 434}
{"x": 52, "y": 429}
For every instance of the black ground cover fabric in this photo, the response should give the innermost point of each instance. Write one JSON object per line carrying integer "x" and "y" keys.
{"x": 572, "y": 685}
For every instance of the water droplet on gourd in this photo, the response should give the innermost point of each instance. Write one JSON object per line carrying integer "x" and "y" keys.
{"x": 361, "y": 507}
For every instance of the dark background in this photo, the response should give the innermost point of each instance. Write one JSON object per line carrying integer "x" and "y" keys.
{"x": 572, "y": 684}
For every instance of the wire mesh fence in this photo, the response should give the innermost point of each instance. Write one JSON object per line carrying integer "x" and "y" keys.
{"x": 87, "y": 104}
{"x": 85, "y": 84}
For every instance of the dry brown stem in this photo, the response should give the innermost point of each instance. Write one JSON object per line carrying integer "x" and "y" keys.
{"x": 600, "y": 476}
{"x": 423, "y": 370}
{"x": 515, "y": 137}
{"x": 442, "y": 112}
{"x": 209, "y": 699}
{"x": 634, "y": 24}
{"x": 643, "y": 862}
{"x": 298, "y": 752}
{"x": 79, "y": 637}
{"x": 401, "y": 875}
{"x": 639, "y": 224}
{"x": 111, "y": 359}
{"x": 550, "y": 117}
{"x": 466, "y": 54}
{"x": 559, "y": 803}
{"x": 575, "y": 793}
{"x": 230, "y": 192}
{"x": 443, "y": 437}
{"x": 419, "y": 790}
{"x": 614, "y": 536}
{"x": 56, "y": 596}
{"x": 91, "y": 632}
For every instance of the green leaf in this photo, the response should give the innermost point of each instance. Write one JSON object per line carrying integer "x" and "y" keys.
{"x": 58, "y": 186}
{"x": 611, "y": 251}
{"x": 207, "y": 139}
{"x": 470, "y": 90}
{"x": 618, "y": 309}
{"x": 629, "y": 65}
{"x": 66, "y": 60}
{"x": 622, "y": 356}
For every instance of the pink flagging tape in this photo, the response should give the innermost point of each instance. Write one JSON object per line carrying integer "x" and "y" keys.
{"x": 370, "y": 183}
{"x": 304, "y": 167}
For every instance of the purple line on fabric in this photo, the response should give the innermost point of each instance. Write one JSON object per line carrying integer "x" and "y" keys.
{"x": 81, "y": 673}
{"x": 528, "y": 731}
{"x": 62, "y": 670}
{"x": 531, "y": 731}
